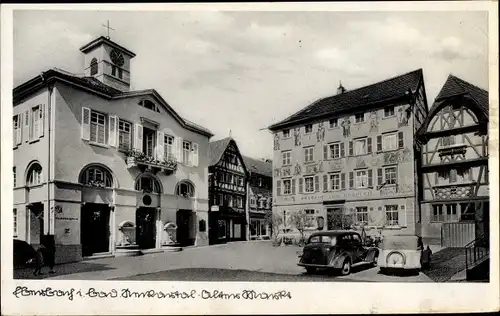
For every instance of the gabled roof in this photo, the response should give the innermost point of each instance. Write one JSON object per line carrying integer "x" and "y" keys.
{"x": 385, "y": 91}
{"x": 216, "y": 149}
{"x": 92, "y": 85}
{"x": 455, "y": 86}
{"x": 258, "y": 166}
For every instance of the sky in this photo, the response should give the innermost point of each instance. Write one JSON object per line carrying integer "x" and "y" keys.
{"x": 239, "y": 72}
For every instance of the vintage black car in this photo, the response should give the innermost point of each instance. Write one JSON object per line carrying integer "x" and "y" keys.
{"x": 340, "y": 250}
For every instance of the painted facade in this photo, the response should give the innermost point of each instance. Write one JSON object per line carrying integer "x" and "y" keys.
{"x": 104, "y": 169}
{"x": 352, "y": 168}
{"x": 455, "y": 182}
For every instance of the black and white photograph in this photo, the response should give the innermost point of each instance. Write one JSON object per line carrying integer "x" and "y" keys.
{"x": 296, "y": 147}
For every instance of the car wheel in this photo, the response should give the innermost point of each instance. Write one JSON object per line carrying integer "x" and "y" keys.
{"x": 346, "y": 267}
{"x": 310, "y": 270}
{"x": 374, "y": 262}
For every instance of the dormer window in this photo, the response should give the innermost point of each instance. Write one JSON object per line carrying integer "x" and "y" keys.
{"x": 308, "y": 128}
{"x": 286, "y": 133}
{"x": 149, "y": 105}
{"x": 359, "y": 117}
{"x": 93, "y": 67}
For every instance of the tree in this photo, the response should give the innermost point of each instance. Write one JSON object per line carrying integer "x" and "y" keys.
{"x": 274, "y": 221}
{"x": 300, "y": 220}
{"x": 340, "y": 220}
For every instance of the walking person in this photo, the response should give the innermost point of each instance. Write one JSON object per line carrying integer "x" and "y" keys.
{"x": 39, "y": 260}
{"x": 50, "y": 253}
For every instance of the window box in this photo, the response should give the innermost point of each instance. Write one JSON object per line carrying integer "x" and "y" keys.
{"x": 135, "y": 158}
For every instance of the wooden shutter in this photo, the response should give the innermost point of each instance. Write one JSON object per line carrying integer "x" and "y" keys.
{"x": 195, "y": 155}
{"x": 316, "y": 184}
{"x": 19, "y": 131}
{"x": 160, "y": 146}
{"x": 402, "y": 215}
{"x": 325, "y": 183}
{"x": 325, "y": 152}
{"x": 342, "y": 150}
{"x": 112, "y": 131}
{"x": 26, "y": 127}
{"x": 379, "y": 143}
{"x": 301, "y": 185}
{"x": 342, "y": 181}
{"x": 369, "y": 145}
{"x": 294, "y": 183}
{"x": 380, "y": 176}
{"x": 138, "y": 137}
{"x": 351, "y": 149}
{"x": 41, "y": 122}
{"x": 400, "y": 140}
{"x": 85, "y": 123}
{"x": 351, "y": 180}
{"x": 278, "y": 187}
{"x": 370, "y": 177}
{"x": 179, "y": 148}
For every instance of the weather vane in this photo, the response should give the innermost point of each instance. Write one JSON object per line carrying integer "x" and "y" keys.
{"x": 109, "y": 28}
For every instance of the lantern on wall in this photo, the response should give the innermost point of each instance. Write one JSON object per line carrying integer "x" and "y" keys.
{"x": 321, "y": 222}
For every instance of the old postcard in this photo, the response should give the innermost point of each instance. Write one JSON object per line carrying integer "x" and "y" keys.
{"x": 250, "y": 158}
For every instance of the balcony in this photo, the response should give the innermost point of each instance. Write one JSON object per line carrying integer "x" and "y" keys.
{"x": 453, "y": 151}
{"x": 450, "y": 192}
{"x": 144, "y": 162}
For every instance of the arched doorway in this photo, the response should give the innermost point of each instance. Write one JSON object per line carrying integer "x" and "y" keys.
{"x": 95, "y": 220}
{"x": 185, "y": 217}
{"x": 34, "y": 181}
{"x": 146, "y": 215}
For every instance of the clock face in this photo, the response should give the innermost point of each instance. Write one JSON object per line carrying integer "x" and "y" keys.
{"x": 117, "y": 58}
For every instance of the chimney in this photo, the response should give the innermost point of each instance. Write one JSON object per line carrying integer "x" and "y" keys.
{"x": 341, "y": 89}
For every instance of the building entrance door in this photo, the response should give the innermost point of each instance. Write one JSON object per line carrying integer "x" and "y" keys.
{"x": 36, "y": 224}
{"x": 184, "y": 227}
{"x": 145, "y": 219}
{"x": 334, "y": 218}
{"x": 94, "y": 230}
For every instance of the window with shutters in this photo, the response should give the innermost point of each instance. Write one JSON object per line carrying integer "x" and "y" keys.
{"x": 93, "y": 67}
{"x": 124, "y": 135}
{"x": 308, "y": 128}
{"x": 359, "y": 118}
{"x": 287, "y": 186}
{"x": 15, "y": 222}
{"x": 97, "y": 128}
{"x": 148, "y": 141}
{"x": 335, "y": 181}
{"x": 391, "y": 175}
{"x": 389, "y": 142}
{"x": 334, "y": 151}
{"x": 17, "y": 126}
{"x": 35, "y": 129}
{"x": 334, "y": 123}
{"x": 389, "y": 111}
{"x": 34, "y": 175}
{"x": 286, "y": 133}
{"x": 252, "y": 201}
{"x": 169, "y": 147}
{"x": 287, "y": 158}
{"x": 186, "y": 152}
{"x": 360, "y": 147}
{"x": 310, "y": 218}
{"x": 362, "y": 215}
{"x": 309, "y": 182}
{"x": 437, "y": 213}
{"x": 392, "y": 215}
{"x": 309, "y": 154}
{"x": 361, "y": 179}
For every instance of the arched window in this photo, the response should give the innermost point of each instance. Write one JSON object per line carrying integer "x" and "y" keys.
{"x": 147, "y": 183}
{"x": 149, "y": 105}
{"x": 185, "y": 188}
{"x": 34, "y": 175}
{"x": 97, "y": 176}
{"x": 93, "y": 67}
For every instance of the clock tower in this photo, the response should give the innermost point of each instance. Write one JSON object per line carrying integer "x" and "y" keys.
{"x": 108, "y": 62}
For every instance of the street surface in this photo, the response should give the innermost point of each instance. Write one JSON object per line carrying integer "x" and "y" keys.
{"x": 239, "y": 261}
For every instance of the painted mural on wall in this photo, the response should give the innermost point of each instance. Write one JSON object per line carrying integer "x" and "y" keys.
{"x": 312, "y": 169}
{"x": 298, "y": 169}
{"x": 276, "y": 142}
{"x": 376, "y": 217}
{"x": 360, "y": 162}
{"x": 296, "y": 136}
{"x": 373, "y": 121}
{"x": 403, "y": 116}
{"x": 346, "y": 128}
{"x": 286, "y": 171}
{"x": 277, "y": 172}
{"x": 399, "y": 156}
{"x": 320, "y": 133}
{"x": 336, "y": 164}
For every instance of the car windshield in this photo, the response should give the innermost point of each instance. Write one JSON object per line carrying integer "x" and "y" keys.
{"x": 322, "y": 239}
{"x": 399, "y": 242}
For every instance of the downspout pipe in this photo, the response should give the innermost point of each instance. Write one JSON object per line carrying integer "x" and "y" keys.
{"x": 48, "y": 113}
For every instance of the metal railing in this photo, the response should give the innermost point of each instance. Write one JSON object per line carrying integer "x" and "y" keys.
{"x": 476, "y": 250}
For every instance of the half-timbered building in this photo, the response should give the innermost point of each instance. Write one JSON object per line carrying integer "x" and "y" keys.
{"x": 227, "y": 192}
{"x": 348, "y": 160}
{"x": 259, "y": 196}
{"x": 103, "y": 169}
{"x": 454, "y": 166}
